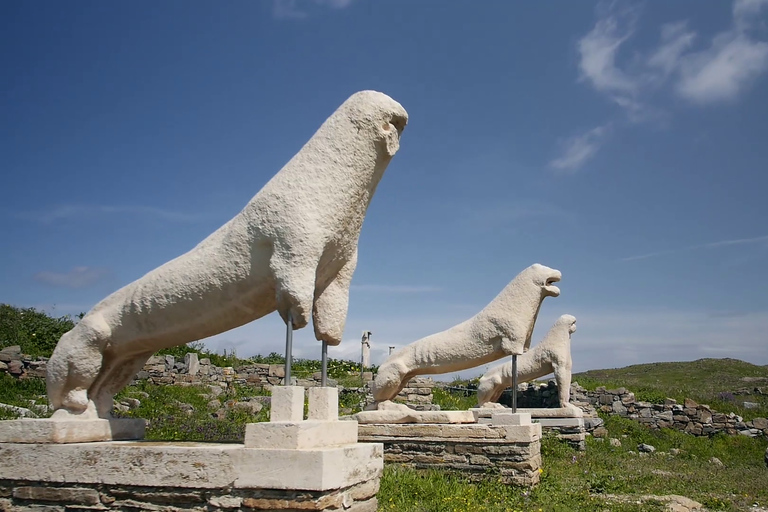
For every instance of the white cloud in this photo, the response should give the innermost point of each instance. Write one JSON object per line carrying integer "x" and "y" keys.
{"x": 733, "y": 61}
{"x": 89, "y": 211}
{"x": 287, "y": 9}
{"x": 723, "y": 71}
{"x": 291, "y": 9}
{"x": 336, "y": 4}
{"x": 78, "y": 277}
{"x": 675, "y": 39}
{"x": 598, "y": 51}
{"x": 580, "y": 148}
{"x": 709, "y": 245}
{"x": 743, "y": 10}
{"x": 389, "y": 288}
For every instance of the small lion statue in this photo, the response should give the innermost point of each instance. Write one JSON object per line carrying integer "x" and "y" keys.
{"x": 292, "y": 249}
{"x": 553, "y": 354}
{"x": 502, "y": 328}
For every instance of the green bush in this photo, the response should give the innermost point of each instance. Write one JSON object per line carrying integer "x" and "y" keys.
{"x": 34, "y": 331}
{"x": 653, "y": 396}
{"x": 453, "y": 401}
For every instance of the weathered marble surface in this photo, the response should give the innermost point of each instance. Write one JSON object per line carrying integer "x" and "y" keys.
{"x": 293, "y": 248}
{"x": 502, "y": 328}
{"x": 553, "y": 354}
{"x": 390, "y": 412}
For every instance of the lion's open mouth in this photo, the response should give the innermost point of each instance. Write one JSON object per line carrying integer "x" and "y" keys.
{"x": 550, "y": 287}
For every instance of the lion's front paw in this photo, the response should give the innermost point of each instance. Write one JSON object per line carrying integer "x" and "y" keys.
{"x": 289, "y": 306}
{"x": 331, "y": 334}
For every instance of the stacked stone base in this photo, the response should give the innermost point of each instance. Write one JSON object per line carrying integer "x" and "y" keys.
{"x": 187, "y": 476}
{"x": 513, "y": 452}
{"x": 286, "y": 464}
{"x": 570, "y": 430}
{"x": 30, "y": 497}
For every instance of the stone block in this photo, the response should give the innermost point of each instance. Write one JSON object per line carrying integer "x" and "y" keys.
{"x": 192, "y": 363}
{"x": 504, "y": 418}
{"x": 192, "y": 465}
{"x": 560, "y": 422}
{"x": 74, "y": 496}
{"x": 277, "y": 370}
{"x": 287, "y": 403}
{"x": 49, "y": 430}
{"x": 323, "y": 404}
{"x": 414, "y": 417}
{"x": 300, "y": 435}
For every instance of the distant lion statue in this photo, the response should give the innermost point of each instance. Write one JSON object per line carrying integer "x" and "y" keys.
{"x": 553, "y": 354}
{"x": 502, "y": 328}
{"x": 292, "y": 249}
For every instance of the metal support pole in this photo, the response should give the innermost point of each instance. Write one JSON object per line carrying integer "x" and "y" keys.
{"x": 514, "y": 383}
{"x": 288, "y": 349}
{"x": 324, "y": 366}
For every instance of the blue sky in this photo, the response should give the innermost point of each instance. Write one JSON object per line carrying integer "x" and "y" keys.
{"x": 621, "y": 143}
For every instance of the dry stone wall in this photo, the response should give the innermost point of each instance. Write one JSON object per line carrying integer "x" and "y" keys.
{"x": 474, "y": 450}
{"x": 691, "y": 417}
{"x": 21, "y": 496}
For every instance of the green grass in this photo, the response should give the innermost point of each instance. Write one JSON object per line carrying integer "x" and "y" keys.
{"x": 34, "y": 331}
{"x": 708, "y": 381}
{"x": 588, "y": 481}
{"x": 452, "y": 401}
{"x": 171, "y": 419}
{"x": 20, "y": 393}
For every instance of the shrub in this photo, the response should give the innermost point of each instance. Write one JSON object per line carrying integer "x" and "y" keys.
{"x": 34, "y": 331}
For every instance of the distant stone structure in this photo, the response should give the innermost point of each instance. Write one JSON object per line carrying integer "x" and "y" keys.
{"x": 293, "y": 248}
{"x": 502, "y": 328}
{"x": 366, "y": 349}
{"x": 553, "y": 354}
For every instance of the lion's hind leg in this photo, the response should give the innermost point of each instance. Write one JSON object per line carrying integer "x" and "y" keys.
{"x": 390, "y": 380}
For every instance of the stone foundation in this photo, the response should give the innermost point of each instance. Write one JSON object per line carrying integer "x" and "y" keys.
{"x": 510, "y": 451}
{"x": 190, "y": 476}
{"x": 286, "y": 464}
{"x": 570, "y": 430}
{"x": 19, "y": 496}
{"x": 558, "y": 421}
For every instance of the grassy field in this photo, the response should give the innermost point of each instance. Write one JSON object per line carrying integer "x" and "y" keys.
{"x": 708, "y": 381}
{"x": 605, "y": 477}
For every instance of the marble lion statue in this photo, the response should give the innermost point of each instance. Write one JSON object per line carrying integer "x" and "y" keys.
{"x": 502, "y": 328}
{"x": 292, "y": 249}
{"x": 553, "y": 354}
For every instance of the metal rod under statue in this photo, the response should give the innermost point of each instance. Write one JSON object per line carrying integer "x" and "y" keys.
{"x": 324, "y": 366}
{"x": 288, "y": 349}
{"x": 514, "y": 383}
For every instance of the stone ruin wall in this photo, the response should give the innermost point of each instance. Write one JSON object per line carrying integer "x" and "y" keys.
{"x": 49, "y": 497}
{"x": 690, "y": 417}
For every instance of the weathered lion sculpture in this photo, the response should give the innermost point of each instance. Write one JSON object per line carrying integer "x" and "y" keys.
{"x": 553, "y": 354}
{"x": 502, "y": 328}
{"x": 293, "y": 248}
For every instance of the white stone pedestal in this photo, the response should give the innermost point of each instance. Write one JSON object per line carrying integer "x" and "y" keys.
{"x": 291, "y": 464}
{"x": 566, "y": 422}
{"x": 50, "y": 430}
{"x": 476, "y": 450}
